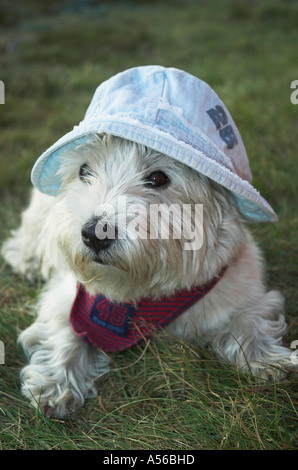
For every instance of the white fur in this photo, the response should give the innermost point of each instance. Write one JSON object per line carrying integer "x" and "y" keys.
{"x": 239, "y": 318}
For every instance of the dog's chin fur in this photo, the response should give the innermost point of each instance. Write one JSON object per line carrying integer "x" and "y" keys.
{"x": 238, "y": 317}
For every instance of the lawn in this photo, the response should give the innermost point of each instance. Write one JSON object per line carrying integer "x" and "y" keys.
{"x": 52, "y": 57}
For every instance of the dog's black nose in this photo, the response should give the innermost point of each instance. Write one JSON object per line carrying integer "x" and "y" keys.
{"x": 96, "y": 235}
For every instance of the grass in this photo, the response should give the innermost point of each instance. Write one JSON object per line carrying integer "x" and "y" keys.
{"x": 52, "y": 57}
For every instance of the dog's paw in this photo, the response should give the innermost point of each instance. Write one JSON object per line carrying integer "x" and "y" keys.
{"x": 272, "y": 368}
{"x": 54, "y": 396}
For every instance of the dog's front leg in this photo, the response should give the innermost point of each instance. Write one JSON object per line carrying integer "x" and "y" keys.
{"x": 62, "y": 369}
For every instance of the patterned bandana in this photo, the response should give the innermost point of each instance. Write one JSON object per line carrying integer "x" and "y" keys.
{"x": 114, "y": 327}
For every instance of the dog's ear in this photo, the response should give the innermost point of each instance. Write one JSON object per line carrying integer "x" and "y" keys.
{"x": 229, "y": 202}
{"x": 234, "y": 201}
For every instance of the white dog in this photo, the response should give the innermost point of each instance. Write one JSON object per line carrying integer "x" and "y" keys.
{"x": 100, "y": 179}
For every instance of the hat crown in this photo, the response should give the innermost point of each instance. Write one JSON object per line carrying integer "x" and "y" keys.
{"x": 177, "y": 103}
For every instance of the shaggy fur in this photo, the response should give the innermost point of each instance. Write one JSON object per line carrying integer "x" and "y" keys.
{"x": 239, "y": 318}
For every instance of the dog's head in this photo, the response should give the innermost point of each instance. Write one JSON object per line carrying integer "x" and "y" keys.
{"x": 131, "y": 222}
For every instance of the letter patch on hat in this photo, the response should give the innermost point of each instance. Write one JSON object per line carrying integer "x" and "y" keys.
{"x": 220, "y": 119}
{"x": 114, "y": 317}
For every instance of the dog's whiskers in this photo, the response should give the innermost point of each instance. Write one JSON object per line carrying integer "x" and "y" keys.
{"x": 95, "y": 278}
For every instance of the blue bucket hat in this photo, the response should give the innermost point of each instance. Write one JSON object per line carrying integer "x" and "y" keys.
{"x": 174, "y": 113}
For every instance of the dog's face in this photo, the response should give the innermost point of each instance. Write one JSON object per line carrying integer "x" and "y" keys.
{"x": 131, "y": 222}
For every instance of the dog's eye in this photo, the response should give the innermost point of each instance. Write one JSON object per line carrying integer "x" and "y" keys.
{"x": 157, "y": 179}
{"x": 85, "y": 172}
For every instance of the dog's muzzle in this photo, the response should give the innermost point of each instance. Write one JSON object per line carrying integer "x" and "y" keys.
{"x": 98, "y": 235}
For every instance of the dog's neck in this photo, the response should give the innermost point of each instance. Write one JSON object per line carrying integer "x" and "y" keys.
{"x": 114, "y": 327}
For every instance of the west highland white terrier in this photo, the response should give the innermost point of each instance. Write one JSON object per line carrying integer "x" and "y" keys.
{"x": 137, "y": 222}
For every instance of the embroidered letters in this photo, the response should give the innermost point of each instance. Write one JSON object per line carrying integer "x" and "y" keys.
{"x": 220, "y": 119}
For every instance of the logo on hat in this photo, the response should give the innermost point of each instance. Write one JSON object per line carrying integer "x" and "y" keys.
{"x": 220, "y": 119}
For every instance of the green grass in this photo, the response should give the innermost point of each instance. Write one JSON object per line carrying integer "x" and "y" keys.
{"x": 52, "y": 57}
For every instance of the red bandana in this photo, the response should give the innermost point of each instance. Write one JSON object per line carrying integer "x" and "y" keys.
{"x": 113, "y": 327}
